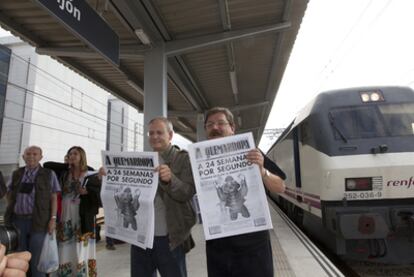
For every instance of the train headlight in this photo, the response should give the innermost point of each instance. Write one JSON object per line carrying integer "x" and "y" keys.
{"x": 371, "y": 96}
{"x": 375, "y": 96}
{"x": 356, "y": 184}
{"x": 365, "y": 97}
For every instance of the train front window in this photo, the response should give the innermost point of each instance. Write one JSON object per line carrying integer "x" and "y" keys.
{"x": 357, "y": 122}
{"x": 399, "y": 119}
{"x": 373, "y": 121}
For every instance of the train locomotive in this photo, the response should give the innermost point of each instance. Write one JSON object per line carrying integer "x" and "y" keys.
{"x": 349, "y": 160}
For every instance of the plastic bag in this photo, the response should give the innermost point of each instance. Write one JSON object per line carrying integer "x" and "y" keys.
{"x": 49, "y": 257}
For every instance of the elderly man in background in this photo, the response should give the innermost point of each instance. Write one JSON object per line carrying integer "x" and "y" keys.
{"x": 32, "y": 204}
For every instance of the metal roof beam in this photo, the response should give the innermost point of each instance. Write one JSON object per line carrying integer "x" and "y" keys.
{"x": 142, "y": 14}
{"x": 185, "y": 83}
{"x": 177, "y": 47}
{"x": 120, "y": 17}
{"x": 130, "y": 53}
{"x": 273, "y": 83}
{"x": 97, "y": 80}
{"x": 131, "y": 78}
{"x": 78, "y": 52}
{"x": 136, "y": 14}
{"x": 249, "y": 106}
{"x": 226, "y": 23}
{"x": 9, "y": 24}
{"x": 181, "y": 87}
{"x": 173, "y": 113}
{"x": 224, "y": 14}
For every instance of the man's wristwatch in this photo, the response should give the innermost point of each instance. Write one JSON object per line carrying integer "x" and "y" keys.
{"x": 53, "y": 217}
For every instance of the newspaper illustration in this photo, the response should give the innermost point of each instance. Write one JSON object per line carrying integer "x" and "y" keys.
{"x": 128, "y": 192}
{"x": 229, "y": 188}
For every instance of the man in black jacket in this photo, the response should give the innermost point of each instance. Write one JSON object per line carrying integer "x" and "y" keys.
{"x": 249, "y": 254}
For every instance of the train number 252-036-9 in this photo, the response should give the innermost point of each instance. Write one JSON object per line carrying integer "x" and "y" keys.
{"x": 363, "y": 195}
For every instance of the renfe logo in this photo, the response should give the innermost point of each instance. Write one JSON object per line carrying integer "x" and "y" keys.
{"x": 401, "y": 183}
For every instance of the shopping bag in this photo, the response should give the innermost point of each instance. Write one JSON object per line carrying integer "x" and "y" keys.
{"x": 49, "y": 258}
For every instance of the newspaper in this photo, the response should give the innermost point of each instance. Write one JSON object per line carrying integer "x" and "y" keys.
{"x": 128, "y": 192}
{"x": 229, "y": 188}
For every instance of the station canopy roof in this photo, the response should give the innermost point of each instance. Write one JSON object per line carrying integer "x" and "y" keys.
{"x": 230, "y": 53}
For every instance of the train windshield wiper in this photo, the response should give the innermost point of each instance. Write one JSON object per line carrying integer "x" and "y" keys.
{"x": 332, "y": 121}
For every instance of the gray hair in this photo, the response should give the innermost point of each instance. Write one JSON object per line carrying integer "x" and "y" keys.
{"x": 33, "y": 147}
{"x": 165, "y": 120}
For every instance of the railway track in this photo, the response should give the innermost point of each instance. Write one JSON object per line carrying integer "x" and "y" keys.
{"x": 350, "y": 268}
{"x": 373, "y": 269}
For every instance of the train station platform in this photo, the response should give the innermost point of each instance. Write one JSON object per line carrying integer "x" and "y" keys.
{"x": 294, "y": 254}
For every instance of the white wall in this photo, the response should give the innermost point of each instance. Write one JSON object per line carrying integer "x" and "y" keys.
{"x": 15, "y": 130}
{"x": 126, "y": 131}
{"x": 58, "y": 109}
{"x": 73, "y": 109}
{"x": 135, "y": 132}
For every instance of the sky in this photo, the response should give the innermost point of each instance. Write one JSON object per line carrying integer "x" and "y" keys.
{"x": 345, "y": 43}
{"x": 4, "y": 33}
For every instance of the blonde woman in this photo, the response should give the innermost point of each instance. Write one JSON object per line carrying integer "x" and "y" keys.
{"x": 76, "y": 228}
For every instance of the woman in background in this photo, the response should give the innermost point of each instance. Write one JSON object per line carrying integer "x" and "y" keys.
{"x": 76, "y": 229}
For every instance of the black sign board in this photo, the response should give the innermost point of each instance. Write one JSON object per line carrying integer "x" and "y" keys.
{"x": 82, "y": 20}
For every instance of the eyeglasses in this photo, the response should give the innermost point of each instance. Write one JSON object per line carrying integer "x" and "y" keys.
{"x": 155, "y": 133}
{"x": 220, "y": 124}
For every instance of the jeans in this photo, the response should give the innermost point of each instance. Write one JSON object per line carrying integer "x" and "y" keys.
{"x": 144, "y": 263}
{"x": 30, "y": 241}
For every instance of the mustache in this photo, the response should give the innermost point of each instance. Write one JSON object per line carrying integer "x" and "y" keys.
{"x": 215, "y": 133}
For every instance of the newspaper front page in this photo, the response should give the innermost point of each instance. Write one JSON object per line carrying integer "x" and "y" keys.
{"x": 229, "y": 188}
{"x": 128, "y": 192}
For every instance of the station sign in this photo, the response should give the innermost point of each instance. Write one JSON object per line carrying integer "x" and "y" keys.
{"x": 85, "y": 23}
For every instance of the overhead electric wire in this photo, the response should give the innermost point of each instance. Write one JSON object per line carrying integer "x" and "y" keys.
{"x": 51, "y": 128}
{"x": 54, "y": 116}
{"x": 56, "y": 102}
{"x": 354, "y": 26}
{"x": 57, "y": 129}
{"x": 70, "y": 91}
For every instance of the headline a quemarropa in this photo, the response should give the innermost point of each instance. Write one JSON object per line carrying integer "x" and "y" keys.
{"x": 129, "y": 161}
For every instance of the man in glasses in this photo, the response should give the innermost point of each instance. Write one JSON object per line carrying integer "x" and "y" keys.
{"x": 32, "y": 204}
{"x": 247, "y": 254}
{"x": 174, "y": 215}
